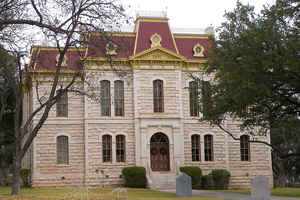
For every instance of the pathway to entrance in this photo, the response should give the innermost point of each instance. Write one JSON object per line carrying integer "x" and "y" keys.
{"x": 228, "y": 196}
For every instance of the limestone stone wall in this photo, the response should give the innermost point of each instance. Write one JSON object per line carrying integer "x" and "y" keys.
{"x": 85, "y": 127}
{"x": 227, "y": 154}
{"x": 243, "y": 171}
{"x": 46, "y": 171}
{"x": 143, "y": 83}
{"x": 100, "y": 173}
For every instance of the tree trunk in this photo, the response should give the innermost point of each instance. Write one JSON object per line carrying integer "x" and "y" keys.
{"x": 282, "y": 179}
{"x": 282, "y": 174}
{"x": 16, "y": 176}
{"x": 3, "y": 173}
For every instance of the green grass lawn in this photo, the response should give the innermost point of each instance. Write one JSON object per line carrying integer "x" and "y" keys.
{"x": 286, "y": 192}
{"x": 93, "y": 194}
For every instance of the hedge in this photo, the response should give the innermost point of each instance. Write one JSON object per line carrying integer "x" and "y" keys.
{"x": 195, "y": 173}
{"x": 134, "y": 177}
{"x": 221, "y": 178}
{"x": 207, "y": 182}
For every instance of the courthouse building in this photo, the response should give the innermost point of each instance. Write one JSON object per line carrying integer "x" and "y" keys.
{"x": 147, "y": 114}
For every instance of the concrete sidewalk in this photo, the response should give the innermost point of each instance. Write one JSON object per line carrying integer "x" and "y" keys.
{"x": 228, "y": 196}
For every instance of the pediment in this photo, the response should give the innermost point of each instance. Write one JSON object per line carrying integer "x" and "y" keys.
{"x": 158, "y": 53}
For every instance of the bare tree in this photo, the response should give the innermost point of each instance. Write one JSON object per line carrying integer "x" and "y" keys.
{"x": 61, "y": 22}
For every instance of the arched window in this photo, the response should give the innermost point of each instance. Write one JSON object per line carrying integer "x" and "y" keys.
{"x": 105, "y": 98}
{"x": 196, "y": 148}
{"x": 106, "y": 148}
{"x": 120, "y": 148}
{"x": 158, "y": 96}
{"x": 119, "y": 98}
{"x": 208, "y": 148}
{"x": 62, "y": 149}
{"x": 62, "y": 104}
{"x": 193, "y": 90}
{"x": 245, "y": 148}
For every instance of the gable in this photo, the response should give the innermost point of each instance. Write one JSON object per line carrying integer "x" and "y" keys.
{"x": 158, "y": 53}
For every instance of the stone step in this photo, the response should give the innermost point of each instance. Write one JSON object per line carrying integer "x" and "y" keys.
{"x": 161, "y": 181}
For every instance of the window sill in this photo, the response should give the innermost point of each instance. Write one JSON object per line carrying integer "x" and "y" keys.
{"x": 62, "y": 165}
{"x": 115, "y": 163}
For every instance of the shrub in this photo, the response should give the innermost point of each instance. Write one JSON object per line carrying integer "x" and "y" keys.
{"x": 134, "y": 177}
{"x": 221, "y": 178}
{"x": 195, "y": 173}
{"x": 25, "y": 175}
{"x": 207, "y": 182}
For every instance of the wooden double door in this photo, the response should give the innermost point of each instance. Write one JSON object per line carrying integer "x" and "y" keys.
{"x": 159, "y": 152}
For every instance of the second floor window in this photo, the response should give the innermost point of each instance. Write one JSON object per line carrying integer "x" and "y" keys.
{"x": 208, "y": 148}
{"x": 119, "y": 98}
{"x": 193, "y": 90}
{"x": 62, "y": 104}
{"x": 158, "y": 96}
{"x": 105, "y": 98}
{"x": 106, "y": 148}
{"x": 206, "y": 97}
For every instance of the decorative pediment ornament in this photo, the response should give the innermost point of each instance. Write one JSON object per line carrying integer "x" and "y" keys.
{"x": 111, "y": 48}
{"x": 198, "y": 50}
{"x": 155, "y": 40}
{"x": 64, "y": 62}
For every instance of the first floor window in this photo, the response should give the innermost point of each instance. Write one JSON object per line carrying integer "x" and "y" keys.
{"x": 195, "y": 147}
{"x": 106, "y": 148}
{"x": 208, "y": 148}
{"x": 120, "y": 148}
{"x": 245, "y": 148}
{"x": 62, "y": 150}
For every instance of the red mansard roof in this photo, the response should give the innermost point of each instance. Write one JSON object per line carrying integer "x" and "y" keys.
{"x": 186, "y": 44}
{"x": 128, "y": 44}
{"x": 44, "y": 58}
{"x": 97, "y": 46}
{"x": 146, "y": 29}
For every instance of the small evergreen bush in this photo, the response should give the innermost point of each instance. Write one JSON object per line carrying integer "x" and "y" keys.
{"x": 221, "y": 178}
{"x": 195, "y": 173}
{"x": 207, "y": 182}
{"x": 134, "y": 177}
{"x": 25, "y": 175}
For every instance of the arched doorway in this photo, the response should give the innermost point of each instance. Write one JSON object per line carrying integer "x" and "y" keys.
{"x": 159, "y": 152}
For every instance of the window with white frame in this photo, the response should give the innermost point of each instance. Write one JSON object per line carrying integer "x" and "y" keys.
{"x": 245, "y": 148}
{"x": 105, "y": 98}
{"x": 62, "y": 104}
{"x": 62, "y": 148}
{"x": 107, "y": 148}
{"x": 158, "y": 95}
{"x": 196, "y": 152}
{"x": 193, "y": 93}
{"x": 119, "y": 98}
{"x": 120, "y": 148}
{"x": 208, "y": 148}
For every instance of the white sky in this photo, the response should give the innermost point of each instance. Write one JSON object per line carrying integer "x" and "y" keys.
{"x": 192, "y": 13}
